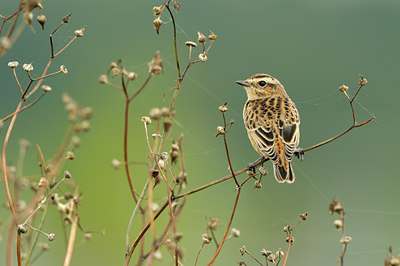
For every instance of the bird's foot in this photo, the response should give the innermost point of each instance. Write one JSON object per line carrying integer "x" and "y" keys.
{"x": 252, "y": 166}
{"x": 299, "y": 152}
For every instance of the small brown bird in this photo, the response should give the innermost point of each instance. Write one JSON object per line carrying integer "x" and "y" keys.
{"x": 272, "y": 122}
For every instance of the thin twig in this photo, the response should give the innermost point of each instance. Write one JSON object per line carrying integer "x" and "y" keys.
{"x": 72, "y": 233}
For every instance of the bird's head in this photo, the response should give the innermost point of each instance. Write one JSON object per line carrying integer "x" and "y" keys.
{"x": 262, "y": 86}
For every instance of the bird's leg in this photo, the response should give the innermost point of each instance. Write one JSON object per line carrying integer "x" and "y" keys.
{"x": 299, "y": 152}
{"x": 252, "y": 166}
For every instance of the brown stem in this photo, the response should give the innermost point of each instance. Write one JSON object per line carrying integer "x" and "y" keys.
{"x": 72, "y": 233}
{"x": 287, "y": 249}
{"x": 227, "y": 229}
{"x": 175, "y": 45}
{"x": 227, "y": 153}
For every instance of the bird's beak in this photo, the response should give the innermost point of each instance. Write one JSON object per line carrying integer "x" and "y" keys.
{"x": 243, "y": 83}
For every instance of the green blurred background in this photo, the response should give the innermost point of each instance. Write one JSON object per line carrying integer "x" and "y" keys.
{"x": 311, "y": 46}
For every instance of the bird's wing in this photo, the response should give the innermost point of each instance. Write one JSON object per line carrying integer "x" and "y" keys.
{"x": 288, "y": 125}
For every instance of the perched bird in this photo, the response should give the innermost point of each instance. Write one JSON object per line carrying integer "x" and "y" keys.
{"x": 272, "y": 122}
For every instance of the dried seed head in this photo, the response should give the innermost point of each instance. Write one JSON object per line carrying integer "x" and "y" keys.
{"x": 146, "y": 119}
{"x": 13, "y": 64}
{"x": 76, "y": 141}
{"x": 79, "y": 33}
{"x": 46, "y": 88}
{"x": 27, "y": 67}
{"x": 161, "y": 163}
{"x": 157, "y": 24}
{"x": 200, "y": 37}
{"x": 167, "y": 125}
{"x": 265, "y": 252}
{"x": 32, "y": 4}
{"x": 157, "y": 255}
{"x": 177, "y": 6}
{"x": 206, "y": 239}
{"x": 87, "y": 112}
{"x": 190, "y": 43}
{"x": 165, "y": 111}
{"x": 44, "y": 246}
{"x": 155, "y": 207}
{"x": 263, "y": 171}
{"x": 279, "y": 254}
{"x": 28, "y": 17}
{"x": 67, "y": 175}
{"x": 156, "y": 66}
{"x": 362, "y": 81}
{"x": 70, "y": 155}
{"x": 64, "y": 69}
{"x": 51, "y": 237}
{"x": 131, "y": 75}
{"x": 214, "y": 223}
{"x": 155, "y": 113}
{"x": 338, "y": 224}
{"x": 88, "y": 236}
{"x": 343, "y": 88}
{"x": 257, "y": 184}
{"x": 291, "y": 239}
{"x": 235, "y": 232}
{"x": 115, "y": 71}
{"x": 157, "y": 10}
{"x": 242, "y": 250}
{"x": 223, "y": 108}
{"x": 304, "y": 216}
{"x": 286, "y": 228}
{"x": 43, "y": 182}
{"x": 212, "y": 36}
{"x": 345, "y": 239}
{"x": 203, "y": 57}
{"x": 220, "y": 130}
{"x": 178, "y": 236}
{"x": 5, "y": 42}
{"x": 335, "y": 206}
{"x": 84, "y": 126}
{"x": 271, "y": 257}
{"x": 103, "y": 79}
{"x": 42, "y": 20}
{"x": 115, "y": 163}
{"x": 21, "y": 229}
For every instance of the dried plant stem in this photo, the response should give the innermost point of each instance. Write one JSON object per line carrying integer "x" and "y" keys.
{"x": 287, "y": 249}
{"x": 227, "y": 229}
{"x": 128, "y": 231}
{"x": 198, "y": 253}
{"x": 175, "y": 45}
{"x": 72, "y": 233}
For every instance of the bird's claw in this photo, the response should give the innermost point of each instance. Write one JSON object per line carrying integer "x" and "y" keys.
{"x": 299, "y": 152}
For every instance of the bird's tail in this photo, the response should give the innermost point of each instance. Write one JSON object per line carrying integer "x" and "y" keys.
{"x": 284, "y": 173}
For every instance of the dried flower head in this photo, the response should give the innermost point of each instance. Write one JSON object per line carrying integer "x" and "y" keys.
{"x": 13, "y": 64}
{"x": 235, "y": 232}
{"x": 87, "y": 112}
{"x": 131, "y": 75}
{"x": 200, "y": 37}
{"x": 79, "y": 33}
{"x": 70, "y": 155}
{"x": 343, "y": 88}
{"x": 265, "y": 252}
{"x": 157, "y": 22}
{"x": 362, "y": 81}
{"x": 291, "y": 239}
{"x": 220, "y": 131}
{"x": 335, "y": 206}
{"x": 21, "y": 229}
{"x": 63, "y": 69}
{"x": 223, "y": 108}
{"x": 212, "y": 36}
{"x": 214, "y": 223}
{"x": 43, "y": 182}
{"x": 257, "y": 184}
{"x": 242, "y": 250}
{"x": 146, "y": 119}
{"x": 103, "y": 79}
{"x": 206, "y": 239}
{"x": 51, "y": 237}
{"x": 115, "y": 163}
{"x": 304, "y": 216}
{"x": 156, "y": 66}
{"x": 42, "y": 20}
{"x": 203, "y": 57}
{"x": 279, "y": 254}
{"x": 157, "y": 10}
{"x": 67, "y": 174}
{"x": 190, "y": 43}
{"x": 115, "y": 71}
{"x": 27, "y": 67}
{"x": 338, "y": 224}
{"x": 177, "y": 6}
{"x": 345, "y": 239}
{"x": 46, "y": 88}
{"x": 165, "y": 111}
{"x": 155, "y": 113}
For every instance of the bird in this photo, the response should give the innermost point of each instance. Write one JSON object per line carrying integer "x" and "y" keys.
{"x": 272, "y": 123}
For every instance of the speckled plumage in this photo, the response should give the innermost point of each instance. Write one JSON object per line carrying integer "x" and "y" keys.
{"x": 272, "y": 122}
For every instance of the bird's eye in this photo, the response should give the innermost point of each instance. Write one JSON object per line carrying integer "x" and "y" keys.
{"x": 262, "y": 83}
